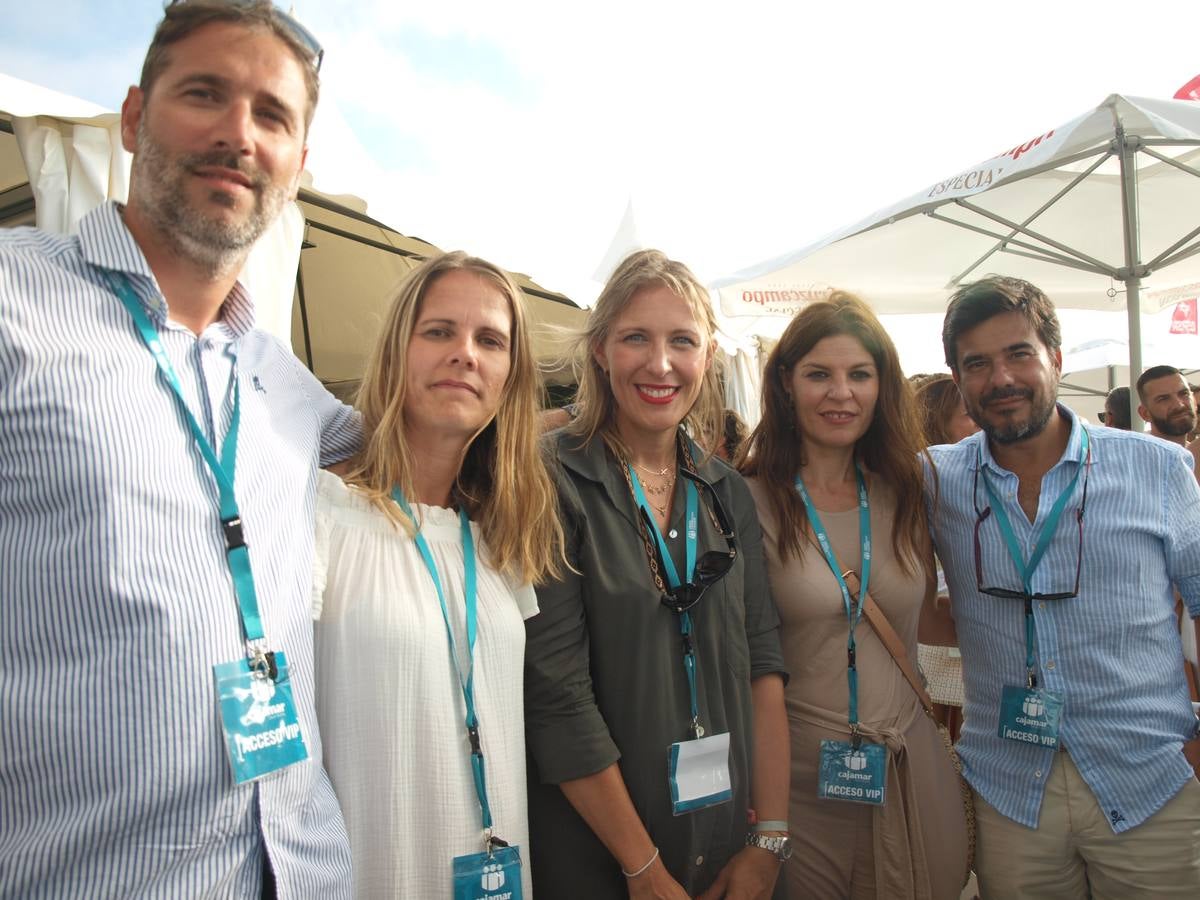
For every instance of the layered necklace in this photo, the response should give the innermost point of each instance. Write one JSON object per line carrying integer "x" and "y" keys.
{"x": 659, "y": 495}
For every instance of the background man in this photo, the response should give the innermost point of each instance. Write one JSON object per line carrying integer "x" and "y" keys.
{"x": 1167, "y": 403}
{"x": 1060, "y": 563}
{"x": 1116, "y": 409}
{"x": 150, "y": 436}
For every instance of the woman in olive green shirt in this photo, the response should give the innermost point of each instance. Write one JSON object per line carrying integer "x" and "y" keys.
{"x": 607, "y": 691}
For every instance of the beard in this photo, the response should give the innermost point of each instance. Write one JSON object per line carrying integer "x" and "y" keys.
{"x": 1176, "y": 425}
{"x": 1042, "y": 406}
{"x": 159, "y": 190}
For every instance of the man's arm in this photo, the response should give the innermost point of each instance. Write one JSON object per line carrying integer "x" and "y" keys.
{"x": 341, "y": 424}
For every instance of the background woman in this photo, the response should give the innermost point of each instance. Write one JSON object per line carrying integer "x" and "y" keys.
{"x": 449, "y": 402}
{"x": 944, "y": 416}
{"x": 607, "y": 683}
{"x": 836, "y": 455}
{"x": 945, "y": 420}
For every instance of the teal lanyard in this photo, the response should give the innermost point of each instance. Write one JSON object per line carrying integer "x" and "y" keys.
{"x": 1045, "y": 536}
{"x": 685, "y": 618}
{"x": 467, "y": 683}
{"x": 223, "y": 469}
{"x": 853, "y": 613}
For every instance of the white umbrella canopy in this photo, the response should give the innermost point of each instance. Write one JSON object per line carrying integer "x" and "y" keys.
{"x": 1092, "y": 212}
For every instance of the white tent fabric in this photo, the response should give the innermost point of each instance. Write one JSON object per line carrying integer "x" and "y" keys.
{"x": 1092, "y": 212}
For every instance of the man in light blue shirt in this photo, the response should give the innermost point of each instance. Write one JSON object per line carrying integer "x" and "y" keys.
{"x": 158, "y": 460}
{"x": 1061, "y": 544}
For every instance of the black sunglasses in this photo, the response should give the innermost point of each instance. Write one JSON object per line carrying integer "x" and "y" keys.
{"x": 1006, "y": 593}
{"x": 1102, "y": 416}
{"x": 711, "y": 567}
{"x": 305, "y": 37}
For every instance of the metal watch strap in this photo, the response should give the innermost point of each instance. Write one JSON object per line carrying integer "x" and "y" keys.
{"x": 778, "y": 844}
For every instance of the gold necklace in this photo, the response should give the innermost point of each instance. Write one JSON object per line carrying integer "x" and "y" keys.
{"x": 661, "y": 489}
{"x": 661, "y": 473}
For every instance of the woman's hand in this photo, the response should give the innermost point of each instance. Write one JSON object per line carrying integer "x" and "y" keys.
{"x": 750, "y": 875}
{"x": 655, "y": 883}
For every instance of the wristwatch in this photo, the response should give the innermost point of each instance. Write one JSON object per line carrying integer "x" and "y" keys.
{"x": 779, "y": 844}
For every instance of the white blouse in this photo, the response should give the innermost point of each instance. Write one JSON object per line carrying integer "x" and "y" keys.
{"x": 390, "y": 707}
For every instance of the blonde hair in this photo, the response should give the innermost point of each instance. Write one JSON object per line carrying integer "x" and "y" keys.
{"x": 503, "y": 482}
{"x": 597, "y": 406}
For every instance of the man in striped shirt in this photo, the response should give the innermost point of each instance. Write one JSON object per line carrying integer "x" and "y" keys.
{"x": 1061, "y": 544}
{"x": 157, "y": 474}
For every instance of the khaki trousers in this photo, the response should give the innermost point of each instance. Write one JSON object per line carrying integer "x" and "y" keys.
{"x": 1073, "y": 853}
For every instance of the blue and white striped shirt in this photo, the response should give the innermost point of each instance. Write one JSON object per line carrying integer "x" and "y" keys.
{"x": 115, "y": 596}
{"x": 1113, "y": 651}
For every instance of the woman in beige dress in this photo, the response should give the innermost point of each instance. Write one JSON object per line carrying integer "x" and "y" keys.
{"x": 837, "y": 453}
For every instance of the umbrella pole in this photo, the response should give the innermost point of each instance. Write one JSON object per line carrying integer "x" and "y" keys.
{"x": 1133, "y": 270}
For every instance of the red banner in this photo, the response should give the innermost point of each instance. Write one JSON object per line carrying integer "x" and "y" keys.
{"x": 1183, "y": 319}
{"x": 1190, "y": 91}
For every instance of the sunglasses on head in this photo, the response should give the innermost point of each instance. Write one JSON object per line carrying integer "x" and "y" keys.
{"x": 711, "y": 567}
{"x": 302, "y": 35}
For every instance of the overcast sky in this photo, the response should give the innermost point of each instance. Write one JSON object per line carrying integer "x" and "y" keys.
{"x": 521, "y": 131}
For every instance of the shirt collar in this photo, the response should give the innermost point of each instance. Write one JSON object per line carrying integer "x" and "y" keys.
{"x": 594, "y": 462}
{"x": 982, "y": 449}
{"x": 107, "y": 243}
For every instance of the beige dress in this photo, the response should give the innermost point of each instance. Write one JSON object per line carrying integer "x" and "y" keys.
{"x": 915, "y": 845}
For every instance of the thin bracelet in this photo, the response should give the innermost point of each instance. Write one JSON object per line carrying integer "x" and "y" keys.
{"x": 648, "y": 864}
{"x": 769, "y": 825}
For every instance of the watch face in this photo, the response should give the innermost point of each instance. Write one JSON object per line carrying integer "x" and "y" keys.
{"x": 785, "y": 849}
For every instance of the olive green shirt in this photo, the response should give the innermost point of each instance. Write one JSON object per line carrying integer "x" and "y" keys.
{"x": 605, "y": 681}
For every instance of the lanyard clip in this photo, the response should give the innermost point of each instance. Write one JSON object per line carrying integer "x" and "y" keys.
{"x": 855, "y": 736}
{"x": 234, "y": 538}
{"x": 263, "y": 665}
{"x": 697, "y": 728}
{"x": 850, "y": 657}
{"x": 473, "y": 735}
{"x": 1031, "y": 680}
{"x": 491, "y": 842}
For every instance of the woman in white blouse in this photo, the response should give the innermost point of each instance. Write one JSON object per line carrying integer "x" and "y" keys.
{"x": 449, "y": 401}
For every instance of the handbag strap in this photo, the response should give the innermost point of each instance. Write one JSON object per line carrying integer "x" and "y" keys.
{"x": 890, "y": 640}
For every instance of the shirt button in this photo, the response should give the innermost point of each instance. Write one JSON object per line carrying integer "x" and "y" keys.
{"x": 699, "y": 860}
{"x": 1042, "y": 605}
{"x": 1037, "y": 774}
{"x": 672, "y": 534}
{"x": 1050, "y": 664}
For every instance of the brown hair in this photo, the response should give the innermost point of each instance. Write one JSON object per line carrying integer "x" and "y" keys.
{"x": 595, "y": 401}
{"x": 181, "y": 19}
{"x": 937, "y": 399}
{"x": 890, "y": 450}
{"x": 975, "y": 303}
{"x": 503, "y": 481}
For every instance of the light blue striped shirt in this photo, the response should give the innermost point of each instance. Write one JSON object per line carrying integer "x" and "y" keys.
{"x": 115, "y": 597}
{"x": 1113, "y": 651}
